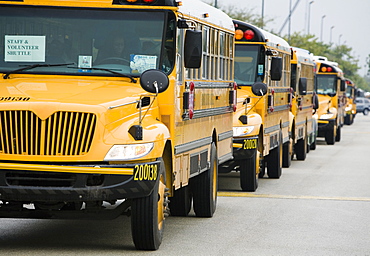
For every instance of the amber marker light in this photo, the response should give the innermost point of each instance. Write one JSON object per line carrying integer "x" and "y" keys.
{"x": 238, "y": 34}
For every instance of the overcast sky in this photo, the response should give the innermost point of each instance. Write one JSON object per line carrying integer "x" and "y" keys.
{"x": 350, "y": 20}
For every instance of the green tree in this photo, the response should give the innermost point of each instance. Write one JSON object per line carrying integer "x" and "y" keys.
{"x": 337, "y": 53}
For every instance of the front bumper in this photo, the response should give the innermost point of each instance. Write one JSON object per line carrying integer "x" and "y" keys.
{"x": 52, "y": 183}
{"x": 325, "y": 125}
{"x": 244, "y": 147}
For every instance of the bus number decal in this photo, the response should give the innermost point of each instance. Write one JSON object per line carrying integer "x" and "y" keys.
{"x": 250, "y": 144}
{"x": 145, "y": 172}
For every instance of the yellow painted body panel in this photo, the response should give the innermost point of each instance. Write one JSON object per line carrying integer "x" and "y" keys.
{"x": 302, "y": 104}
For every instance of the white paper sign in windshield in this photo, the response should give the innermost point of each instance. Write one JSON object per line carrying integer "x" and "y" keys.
{"x": 24, "y": 48}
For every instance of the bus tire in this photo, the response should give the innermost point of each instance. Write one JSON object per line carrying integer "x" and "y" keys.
{"x": 287, "y": 154}
{"x": 204, "y": 188}
{"x": 248, "y": 173}
{"x": 348, "y": 119}
{"x": 301, "y": 149}
{"x": 330, "y": 136}
{"x": 262, "y": 172}
{"x": 274, "y": 162}
{"x": 148, "y": 215}
{"x": 180, "y": 202}
{"x": 338, "y": 136}
{"x": 313, "y": 144}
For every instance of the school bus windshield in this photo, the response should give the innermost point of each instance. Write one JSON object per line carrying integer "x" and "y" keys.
{"x": 326, "y": 84}
{"x": 88, "y": 40}
{"x": 349, "y": 91}
{"x": 246, "y": 59}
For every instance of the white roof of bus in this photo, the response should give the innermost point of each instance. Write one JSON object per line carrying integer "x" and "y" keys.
{"x": 273, "y": 40}
{"x": 325, "y": 60}
{"x": 303, "y": 55}
{"x": 198, "y": 8}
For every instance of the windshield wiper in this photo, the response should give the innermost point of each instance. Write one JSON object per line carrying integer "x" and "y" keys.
{"x": 6, "y": 76}
{"x": 116, "y": 73}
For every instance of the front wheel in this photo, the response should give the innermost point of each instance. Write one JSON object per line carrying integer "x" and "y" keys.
{"x": 274, "y": 161}
{"x": 148, "y": 215}
{"x": 301, "y": 149}
{"x": 287, "y": 153}
{"x": 204, "y": 188}
{"x": 180, "y": 203}
{"x": 330, "y": 136}
{"x": 248, "y": 173}
{"x": 338, "y": 136}
{"x": 313, "y": 144}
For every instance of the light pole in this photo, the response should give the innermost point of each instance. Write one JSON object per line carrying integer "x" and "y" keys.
{"x": 309, "y": 13}
{"x": 290, "y": 19}
{"x": 331, "y": 29}
{"x": 322, "y": 25}
{"x": 263, "y": 12}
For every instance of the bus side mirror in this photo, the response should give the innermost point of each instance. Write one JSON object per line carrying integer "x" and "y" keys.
{"x": 193, "y": 49}
{"x": 276, "y": 68}
{"x": 154, "y": 81}
{"x": 343, "y": 85}
{"x": 259, "y": 89}
{"x": 302, "y": 86}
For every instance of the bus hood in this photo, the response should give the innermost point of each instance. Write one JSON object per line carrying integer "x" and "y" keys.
{"x": 326, "y": 106}
{"x": 69, "y": 91}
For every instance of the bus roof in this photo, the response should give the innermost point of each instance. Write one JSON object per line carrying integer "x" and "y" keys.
{"x": 263, "y": 36}
{"x": 206, "y": 13}
{"x": 323, "y": 61}
{"x": 302, "y": 55}
{"x": 190, "y": 8}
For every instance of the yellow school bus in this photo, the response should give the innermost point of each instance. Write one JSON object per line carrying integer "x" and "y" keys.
{"x": 261, "y": 121}
{"x": 330, "y": 88}
{"x": 109, "y": 107}
{"x": 304, "y": 126}
{"x": 350, "y": 110}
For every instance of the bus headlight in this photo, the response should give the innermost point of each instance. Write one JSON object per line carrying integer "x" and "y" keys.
{"x": 348, "y": 108}
{"x": 327, "y": 116}
{"x": 241, "y": 131}
{"x": 127, "y": 152}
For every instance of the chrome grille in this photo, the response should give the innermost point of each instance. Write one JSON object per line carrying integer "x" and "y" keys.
{"x": 61, "y": 134}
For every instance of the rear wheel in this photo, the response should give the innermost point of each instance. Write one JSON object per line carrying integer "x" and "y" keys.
{"x": 148, "y": 215}
{"x": 248, "y": 173}
{"x": 204, "y": 188}
{"x": 366, "y": 112}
